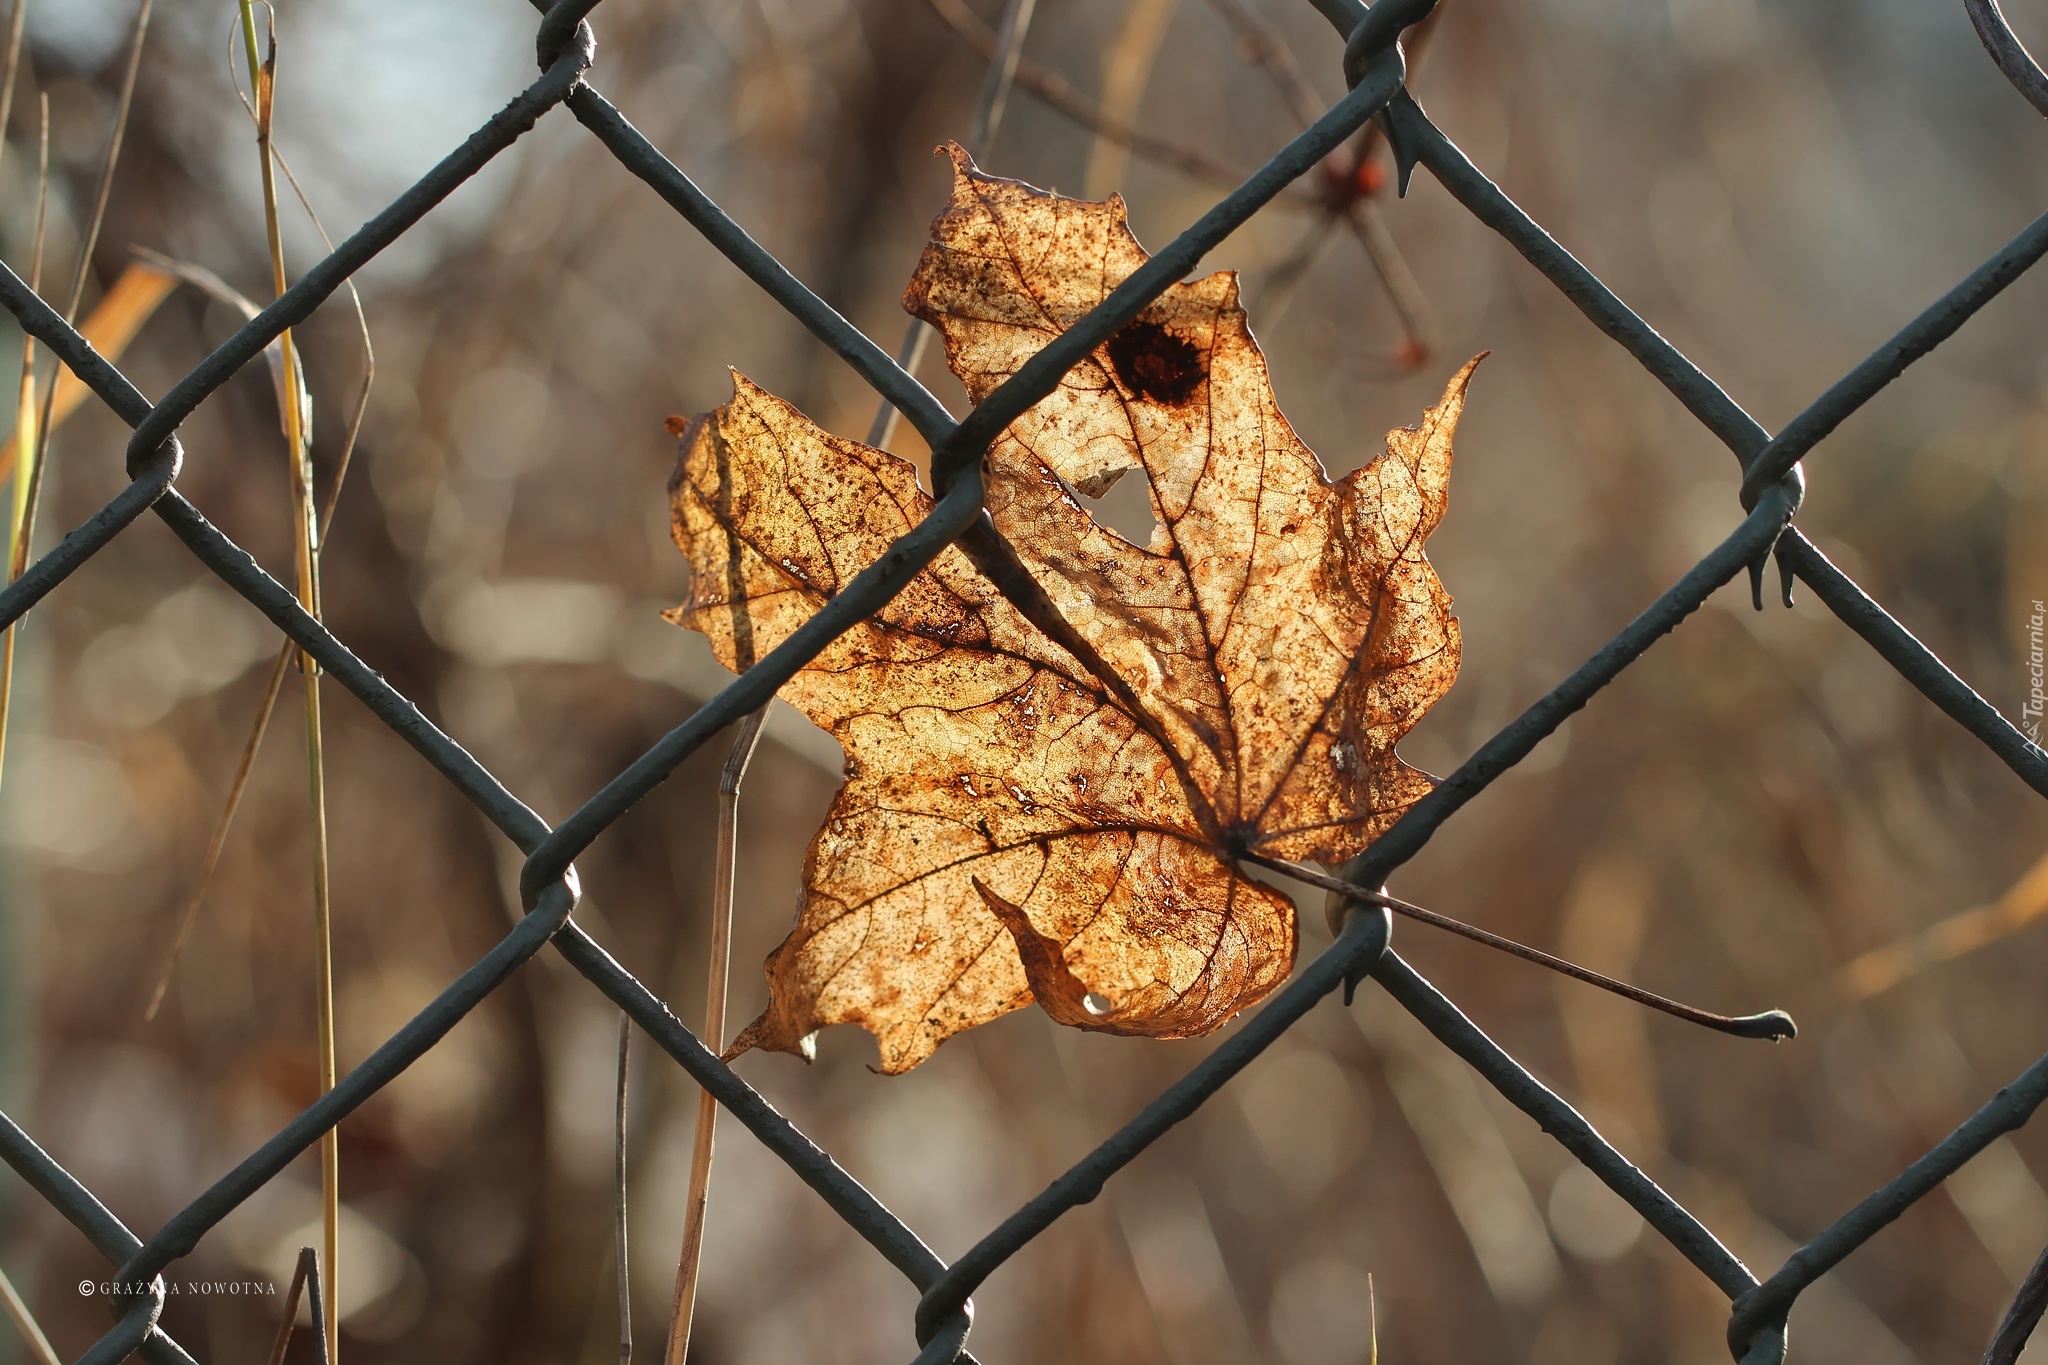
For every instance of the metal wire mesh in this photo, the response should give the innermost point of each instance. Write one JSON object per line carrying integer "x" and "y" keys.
{"x": 1771, "y": 487}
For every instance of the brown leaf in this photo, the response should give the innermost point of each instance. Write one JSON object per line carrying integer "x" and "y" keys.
{"x": 1014, "y": 826}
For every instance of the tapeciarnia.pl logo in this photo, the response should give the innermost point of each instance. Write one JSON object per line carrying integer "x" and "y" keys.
{"x": 2037, "y": 697}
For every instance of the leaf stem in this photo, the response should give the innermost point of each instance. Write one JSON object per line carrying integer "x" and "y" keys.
{"x": 1771, "y": 1024}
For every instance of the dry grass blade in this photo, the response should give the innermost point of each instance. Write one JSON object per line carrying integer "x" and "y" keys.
{"x": 1372, "y": 1311}
{"x": 619, "y": 1195}
{"x": 15, "y": 29}
{"x": 110, "y": 327}
{"x": 305, "y": 537}
{"x": 214, "y": 845}
{"x": 691, "y": 1261}
{"x": 31, "y": 1332}
{"x": 290, "y": 1316}
{"x": 25, "y": 434}
{"x": 81, "y": 272}
{"x": 213, "y": 285}
{"x": 32, "y": 435}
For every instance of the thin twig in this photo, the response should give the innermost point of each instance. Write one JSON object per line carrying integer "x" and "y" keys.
{"x": 2022, "y": 1317}
{"x": 1001, "y": 75}
{"x": 1411, "y": 305}
{"x": 1276, "y": 291}
{"x": 1005, "y": 52}
{"x": 619, "y": 1194}
{"x": 25, "y": 1322}
{"x": 1260, "y": 41}
{"x": 1060, "y": 96}
{"x": 1771, "y": 1024}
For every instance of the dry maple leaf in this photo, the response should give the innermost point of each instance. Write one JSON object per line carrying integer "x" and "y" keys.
{"x": 1025, "y": 821}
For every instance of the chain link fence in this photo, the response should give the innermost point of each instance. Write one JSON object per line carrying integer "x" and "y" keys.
{"x": 1771, "y": 486}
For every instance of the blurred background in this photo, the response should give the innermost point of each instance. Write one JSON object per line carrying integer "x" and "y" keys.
{"x": 1758, "y": 814}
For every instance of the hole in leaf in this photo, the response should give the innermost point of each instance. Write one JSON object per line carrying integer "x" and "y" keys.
{"x": 1125, "y": 507}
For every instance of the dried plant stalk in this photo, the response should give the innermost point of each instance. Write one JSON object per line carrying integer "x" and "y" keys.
{"x": 25, "y": 434}
{"x": 218, "y": 288}
{"x": 305, "y": 541}
{"x": 25, "y": 1322}
{"x": 619, "y": 1194}
{"x": 691, "y": 1261}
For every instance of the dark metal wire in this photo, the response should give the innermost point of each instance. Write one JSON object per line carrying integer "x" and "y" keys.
{"x": 1771, "y": 491}
{"x": 2022, "y": 1318}
{"x": 2009, "y": 52}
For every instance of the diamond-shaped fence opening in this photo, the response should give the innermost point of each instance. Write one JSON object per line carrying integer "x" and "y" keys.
{"x": 1761, "y": 530}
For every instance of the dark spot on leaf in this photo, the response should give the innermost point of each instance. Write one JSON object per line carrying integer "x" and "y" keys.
{"x": 1154, "y": 363}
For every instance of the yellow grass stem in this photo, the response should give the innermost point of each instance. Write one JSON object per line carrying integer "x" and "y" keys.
{"x": 1372, "y": 1317}
{"x": 305, "y": 537}
{"x": 619, "y": 1238}
{"x": 15, "y": 29}
{"x": 32, "y": 435}
{"x": 24, "y": 1321}
{"x": 112, "y": 324}
{"x": 25, "y": 427}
